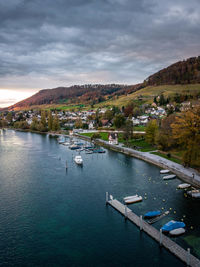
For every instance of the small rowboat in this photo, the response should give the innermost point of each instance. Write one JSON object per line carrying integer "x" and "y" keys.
{"x": 152, "y": 214}
{"x": 164, "y": 171}
{"x": 171, "y": 225}
{"x": 134, "y": 199}
{"x": 127, "y": 198}
{"x": 169, "y": 177}
{"x": 178, "y": 231}
{"x": 183, "y": 186}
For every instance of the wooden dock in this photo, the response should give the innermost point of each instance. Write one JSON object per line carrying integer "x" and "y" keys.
{"x": 163, "y": 240}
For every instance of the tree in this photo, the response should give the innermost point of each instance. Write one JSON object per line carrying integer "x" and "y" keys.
{"x": 108, "y": 115}
{"x": 50, "y": 121}
{"x": 9, "y": 117}
{"x": 119, "y": 121}
{"x": 56, "y": 124}
{"x": 136, "y": 111}
{"x": 78, "y": 124}
{"x": 151, "y": 131}
{"x": 128, "y": 130}
{"x": 43, "y": 122}
{"x": 186, "y": 132}
{"x": 34, "y": 124}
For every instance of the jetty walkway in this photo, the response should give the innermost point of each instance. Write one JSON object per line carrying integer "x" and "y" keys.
{"x": 166, "y": 242}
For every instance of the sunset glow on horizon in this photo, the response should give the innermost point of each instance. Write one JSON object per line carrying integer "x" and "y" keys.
{"x": 10, "y": 97}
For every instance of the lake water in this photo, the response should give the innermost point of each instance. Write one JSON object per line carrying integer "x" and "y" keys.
{"x": 53, "y": 217}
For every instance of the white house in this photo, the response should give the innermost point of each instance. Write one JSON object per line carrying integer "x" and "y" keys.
{"x": 113, "y": 138}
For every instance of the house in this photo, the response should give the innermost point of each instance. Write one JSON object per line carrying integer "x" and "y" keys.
{"x": 113, "y": 138}
{"x": 91, "y": 125}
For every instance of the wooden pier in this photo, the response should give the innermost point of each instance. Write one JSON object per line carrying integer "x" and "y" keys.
{"x": 163, "y": 240}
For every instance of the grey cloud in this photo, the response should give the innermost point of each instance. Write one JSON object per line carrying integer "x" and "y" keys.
{"x": 76, "y": 41}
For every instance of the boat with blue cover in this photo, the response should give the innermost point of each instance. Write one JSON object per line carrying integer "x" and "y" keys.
{"x": 171, "y": 225}
{"x": 152, "y": 214}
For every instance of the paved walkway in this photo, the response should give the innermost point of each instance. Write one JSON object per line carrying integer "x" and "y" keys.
{"x": 186, "y": 174}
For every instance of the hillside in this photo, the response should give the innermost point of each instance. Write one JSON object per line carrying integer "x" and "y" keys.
{"x": 147, "y": 94}
{"x": 85, "y": 94}
{"x": 182, "y": 72}
{"x": 182, "y": 77}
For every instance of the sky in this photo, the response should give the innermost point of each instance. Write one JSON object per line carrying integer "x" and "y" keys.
{"x": 51, "y": 43}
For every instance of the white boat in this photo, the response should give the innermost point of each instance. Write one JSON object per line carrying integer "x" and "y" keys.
{"x": 129, "y": 197}
{"x": 78, "y": 160}
{"x": 194, "y": 193}
{"x": 65, "y": 143}
{"x": 164, "y": 171}
{"x": 183, "y": 186}
{"x": 134, "y": 199}
{"x": 178, "y": 231}
{"x": 169, "y": 177}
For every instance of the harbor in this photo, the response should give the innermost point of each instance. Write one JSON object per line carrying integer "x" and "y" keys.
{"x": 163, "y": 240}
{"x": 61, "y": 215}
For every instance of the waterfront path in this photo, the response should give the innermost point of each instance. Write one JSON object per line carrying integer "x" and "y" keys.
{"x": 185, "y": 174}
{"x": 165, "y": 241}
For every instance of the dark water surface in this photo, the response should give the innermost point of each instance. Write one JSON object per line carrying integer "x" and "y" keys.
{"x": 50, "y": 217}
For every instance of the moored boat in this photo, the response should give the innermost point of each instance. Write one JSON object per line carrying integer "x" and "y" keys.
{"x": 152, "y": 214}
{"x": 74, "y": 147}
{"x": 164, "y": 171}
{"x": 183, "y": 186}
{"x": 78, "y": 160}
{"x": 178, "y": 231}
{"x": 194, "y": 193}
{"x": 129, "y": 197}
{"x": 171, "y": 225}
{"x": 169, "y": 177}
{"x": 134, "y": 199}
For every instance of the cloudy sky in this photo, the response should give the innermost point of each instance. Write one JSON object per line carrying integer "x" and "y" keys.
{"x": 50, "y": 43}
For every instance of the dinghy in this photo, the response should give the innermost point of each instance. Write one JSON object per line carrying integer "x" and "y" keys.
{"x": 183, "y": 186}
{"x": 134, "y": 199}
{"x": 194, "y": 193}
{"x": 164, "y": 171}
{"x": 169, "y": 177}
{"x": 178, "y": 231}
{"x": 171, "y": 225}
{"x": 129, "y": 197}
{"x": 152, "y": 214}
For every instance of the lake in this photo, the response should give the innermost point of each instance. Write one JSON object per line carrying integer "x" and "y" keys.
{"x": 53, "y": 217}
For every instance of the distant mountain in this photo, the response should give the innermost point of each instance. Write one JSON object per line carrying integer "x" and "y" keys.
{"x": 76, "y": 94}
{"x": 182, "y": 72}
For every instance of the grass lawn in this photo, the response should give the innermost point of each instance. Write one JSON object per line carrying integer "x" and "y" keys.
{"x": 103, "y": 136}
{"x": 141, "y": 144}
{"x": 139, "y": 128}
{"x": 166, "y": 157}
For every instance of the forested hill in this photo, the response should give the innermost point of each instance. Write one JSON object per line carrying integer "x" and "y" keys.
{"x": 76, "y": 94}
{"x": 182, "y": 72}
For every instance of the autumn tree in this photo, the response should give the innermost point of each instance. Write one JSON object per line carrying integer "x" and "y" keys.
{"x": 151, "y": 131}
{"x": 186, "y": 132}
{"x": 56, "y": 124}
{"x": 50, "y": 120}
{"x": 78, "y": 124}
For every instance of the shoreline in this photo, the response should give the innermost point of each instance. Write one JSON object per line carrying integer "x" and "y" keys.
{"x": 185, "y": 174}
